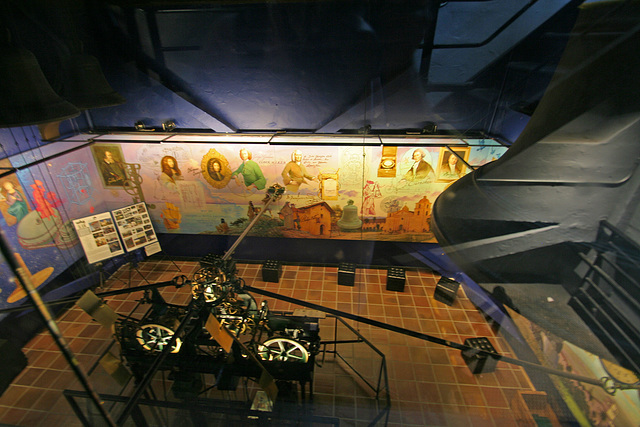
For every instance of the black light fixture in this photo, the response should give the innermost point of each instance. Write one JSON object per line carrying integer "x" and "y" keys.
{"x": 396, "y": 279}
{"x": 446, "y": 290}
{"x": 168, "y": 126}
{"x": 346, "y": 274}
{"x": 429, "y": 128}
{"x": 271, "y": 271}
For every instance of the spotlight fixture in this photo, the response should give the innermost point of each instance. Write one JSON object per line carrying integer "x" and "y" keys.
{"x": 366, "y": 129}
{"x": 430, "y": 127}
{"x": 169, "y": 125}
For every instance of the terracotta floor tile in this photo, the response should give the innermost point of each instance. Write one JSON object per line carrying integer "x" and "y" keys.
{"x": 494, "y": 397}
{"x": 12, "y": 416}
{"x": 472, "y": 395}
{"x": 502, "y": 417}
{"x": 481, "y": 416}
{"x": 464, "y": 376}
{"x": 391, "y": 311}
{"x": 29, "y": 376}
{"x": 28, "y": 397}
{"x": 450, "y": 394}
{"x": 445, "y": 374}
{"x": 431, "y": 384}
{"x": 433, "y": 415}
{"x": 48, "y": 378}
{"x": 47, "y": 400}
{"x": 12, "y": 394}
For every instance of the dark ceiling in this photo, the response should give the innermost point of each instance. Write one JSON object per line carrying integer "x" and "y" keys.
{"x": 469, "y": 67}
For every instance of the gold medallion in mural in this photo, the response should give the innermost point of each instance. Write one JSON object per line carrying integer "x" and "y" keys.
{"x": 215, "y": 169}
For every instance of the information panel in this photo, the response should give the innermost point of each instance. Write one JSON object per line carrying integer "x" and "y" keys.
{"x": 135, "y": 227}
{"x": 98, "y": 236}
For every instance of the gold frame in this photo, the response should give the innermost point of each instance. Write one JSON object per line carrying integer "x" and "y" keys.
{"x": 326, "y": 176}
{"x": 225, "y": 170}
{"x": 462, "y": 152}
{"x": 388, "y": 162}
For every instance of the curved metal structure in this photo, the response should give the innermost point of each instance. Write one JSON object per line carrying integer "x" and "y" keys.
{"x": 527, "y": 216}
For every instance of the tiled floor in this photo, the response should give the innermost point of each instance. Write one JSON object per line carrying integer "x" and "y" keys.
{"x": 429, "y": 384}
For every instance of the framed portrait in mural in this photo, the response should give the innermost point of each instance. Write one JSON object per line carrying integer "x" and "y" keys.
{"x": 109, "y": 159}
{"x": 13, "y": 201}
{"x": 450, "y": 167}
{"x": 329, "y": 185}
{"x": 215, "y": 169}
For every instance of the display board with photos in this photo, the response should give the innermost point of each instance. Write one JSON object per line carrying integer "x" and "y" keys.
{"x": 135, "y": 226}
{"x": 98, "y": 236}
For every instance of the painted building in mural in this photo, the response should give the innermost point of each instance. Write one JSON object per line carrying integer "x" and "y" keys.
{"x": 315, "y": 219}
{"x": 406, "y": 221}
{"x": 373, "y": 224}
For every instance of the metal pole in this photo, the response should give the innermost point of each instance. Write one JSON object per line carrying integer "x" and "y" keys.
{"x": 233, "y": 247}
{"x": 193, "y": 306}
{"x": 34, "y": 297}
{"x": 606, "y": 385}
{"x": 177, "y": 281}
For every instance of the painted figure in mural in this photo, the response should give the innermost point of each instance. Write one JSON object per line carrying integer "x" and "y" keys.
{"x": 171, "y": 216}
{"x": 451, "y": 167}
{"x": 223, "y": 228}
{"x": 17, "y": 203}
{"x": 111, "y": 171}
{"x": 286, "y": 214}
{"x": 249, "y": 171}
{"x": 420, "y": 170}
{"x": 252, "y": 211}
{"x": 370, "y": 191}
{"x": 214, "y": 168}
{"x": 295, "y": 173}
{"x": 41, "y": 199}
{"x": 170, "y": 173}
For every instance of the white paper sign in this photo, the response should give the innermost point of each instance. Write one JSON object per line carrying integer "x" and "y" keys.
{"x": 135, "y": 226}
{"x": 98, "y": 236}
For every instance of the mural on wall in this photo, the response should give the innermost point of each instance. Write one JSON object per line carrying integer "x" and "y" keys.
{"x": 76, "y": 182}
{"x": 590, "y": 405}
{"x": 332, "y": 192}
{"x": 38, "y": 204}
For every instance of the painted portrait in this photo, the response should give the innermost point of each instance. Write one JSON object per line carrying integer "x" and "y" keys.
{"x": 295, "y": 173}
{"x": 13, "y": 201}
{"x": 419, "y": 166}
{"x": 215, "y": 169}
{"x": 169, "y": 172}
{"x": 249, "y": 174}
{"x": 109, "y": 159}
{"x": 450, "y": 165}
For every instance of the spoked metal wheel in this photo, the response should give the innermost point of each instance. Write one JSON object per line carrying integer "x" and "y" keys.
{"x": 235, "y": 326}
{"x": 209, "y": 282}
{"x": 153, "y": 337}
{"x": 283, "y": 350}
